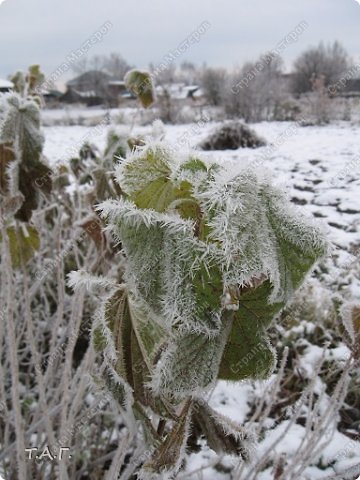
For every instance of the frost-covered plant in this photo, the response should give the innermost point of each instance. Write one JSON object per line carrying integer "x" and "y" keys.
{"x": 45, "y": 232}
{"x": 208, "y": 263}
{"x": 350, "y": 314}
{"x": 231, "y": 136}
{"x": 21, "y": 166}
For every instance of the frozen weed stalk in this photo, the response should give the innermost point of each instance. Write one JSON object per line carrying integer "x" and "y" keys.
{"x": 209, "y": 262}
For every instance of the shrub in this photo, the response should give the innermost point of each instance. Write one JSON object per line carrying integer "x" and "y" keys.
{"x": 231, "y": 136}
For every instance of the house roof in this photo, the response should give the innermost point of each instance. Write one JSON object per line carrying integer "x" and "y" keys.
{"x": 178, "y": 91}
{"x": 6, "y": 84}
{"x": 199, "y": 92}
{"x": 116, "y": 82}
{"x": 53, "y": 93}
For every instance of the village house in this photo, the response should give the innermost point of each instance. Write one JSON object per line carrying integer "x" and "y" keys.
{"x": 5, "y": 86}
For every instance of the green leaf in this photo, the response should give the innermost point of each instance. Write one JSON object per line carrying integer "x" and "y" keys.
{"x": 146, "y": 179}
{"x": 99, "y": 340}
{"x": 140, "y": 372}
{"x": 147, "y": 165}
{"x": 117, "y": 389}
{"x": 130, "y": 364}
{"x": 248, "y": 353}
{"x": 297, "y": 249}
{"x": 159, "y": 194}
{"x": 194, "y": 165}
{"x": 191, "y": 362}
{"x": 152, "y": 252}
{"x": 140, "y": 84}
{"x": 21, "y": 131}
{"x": 150, "y": 335}
{"x": 139, "y": 246}
{"x": 208, "y": 290}
{"x": 146, "y": 340}
{"x": 196, "y": 169}
{"x": 117, "y": 318}
{"x": 239, "y": 232}
{"x": 116, "y": 148}
{"x": 35, "y": 77}
{"x": 23, "y": 243}
{"x": 137, "y": 340}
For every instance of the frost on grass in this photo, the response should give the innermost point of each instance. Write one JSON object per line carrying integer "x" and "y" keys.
{"x": 209, "y": 263}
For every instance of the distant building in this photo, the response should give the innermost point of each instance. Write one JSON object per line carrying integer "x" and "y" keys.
{"x": 92, "y": 81}
{"x": 117, "y": 87}
{"x": 96, "y": 88}
{"x": 351, "y": 89}
{"x": 5, "y": 86}
{"x": 89, "y": 98}
{"x": 177, "y": 91}
{"x": 89, "y": 88}
{"x": 52, "y": 97}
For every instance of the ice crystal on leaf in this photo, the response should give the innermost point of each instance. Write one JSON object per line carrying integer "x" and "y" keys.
{"x": 191, "y": 239}
{"x": 21, "y": 136}
{"x": 210, "y": 261}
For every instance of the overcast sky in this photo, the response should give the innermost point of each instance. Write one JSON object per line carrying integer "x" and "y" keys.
{"x": 45, "y": 31}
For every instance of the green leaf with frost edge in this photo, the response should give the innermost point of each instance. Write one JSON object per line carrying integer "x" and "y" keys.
{"x": 140, "y": 84}
{"x": 23, "y": 244}
{"x": 174, "y": 268}
{"x": 248, "y": 354}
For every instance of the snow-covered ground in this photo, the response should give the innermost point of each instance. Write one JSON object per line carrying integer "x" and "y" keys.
{"x": 320, "y": 169}
{"x": 318, "y": 166}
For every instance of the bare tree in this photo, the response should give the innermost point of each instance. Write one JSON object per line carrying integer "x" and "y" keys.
{"x": 163, "y": 73}
{"x": 213, "y": 82}
{"x": 255, "y": 91}
{"x": 328, "y": 62}
{"x": 81, "y": 66}
{"x": 113, "y": 64}
{"x": 116, "y": 65}
{"x": 189, "y": 73}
